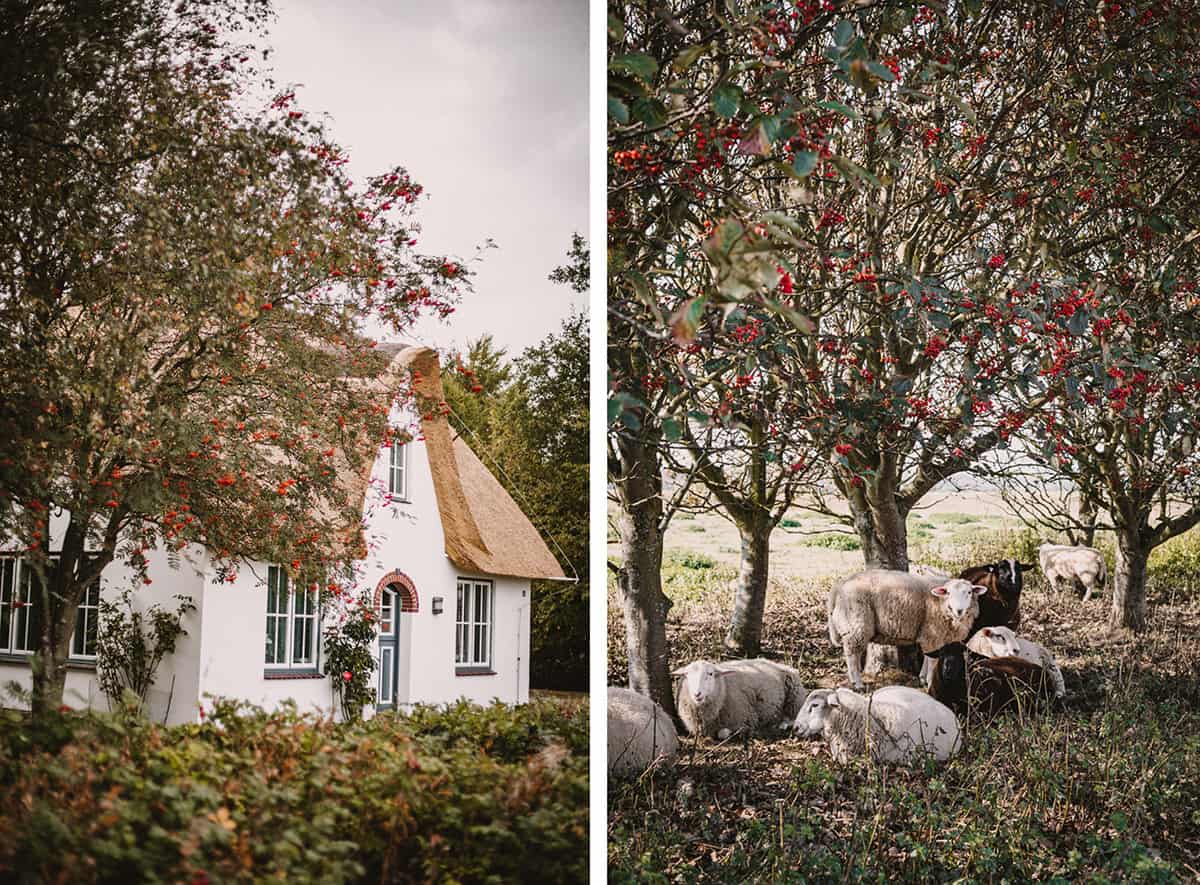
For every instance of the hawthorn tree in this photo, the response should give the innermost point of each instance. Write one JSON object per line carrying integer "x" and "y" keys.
{"x": 185, "y": 269}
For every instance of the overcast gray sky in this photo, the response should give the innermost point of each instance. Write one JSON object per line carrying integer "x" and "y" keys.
{"x": 486, "y": 105}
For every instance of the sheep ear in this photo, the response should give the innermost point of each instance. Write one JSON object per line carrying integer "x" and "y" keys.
{"x": 939, "y": 591}
{"x": 1023, "y": 567}
{"x": 722, "y": 671}
{"x": 979, "y": 589}
{"x": 833, "y": 700}
{"x": 987, "y": 632}
{"x": 682, "y": 671}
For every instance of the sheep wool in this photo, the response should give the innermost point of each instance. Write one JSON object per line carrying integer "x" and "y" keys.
{"x": 716, "y": 700}
{"x": 640, "y": 733}
{"x": 1082, "y": 566}
{"x": 896, "y": 725}
{"x": 1001, "y": 642}
{"x": 896, "y": 608}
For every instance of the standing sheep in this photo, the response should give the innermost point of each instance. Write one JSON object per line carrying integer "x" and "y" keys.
{"x": 897, "y": 724}
{"x": 1077, "y": 566}
{"x": 1001, "y": 642}
{"x": 717, "y": 700}
{"x": 898, "y": 608}
{"x": 640, "y": 733}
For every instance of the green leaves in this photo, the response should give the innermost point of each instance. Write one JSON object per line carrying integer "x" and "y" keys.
{"x": 618, "y": 110}
{"x": 639, "y": 64}
{"x": 804, "y": 162}
{"x": 726, "y": 100}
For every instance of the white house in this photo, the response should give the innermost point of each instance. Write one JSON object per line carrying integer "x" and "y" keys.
{"x": 450, "y": 558}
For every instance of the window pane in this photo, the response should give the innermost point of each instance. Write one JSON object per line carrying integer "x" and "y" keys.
{"x": 89, "y": 636}
{"x": 7, "y": 568}
{"x": 385, "y": 676}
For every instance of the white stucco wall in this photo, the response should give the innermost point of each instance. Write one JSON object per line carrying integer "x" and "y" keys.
{"x": 174, "y": 694}
{"x": 407, "y": 537}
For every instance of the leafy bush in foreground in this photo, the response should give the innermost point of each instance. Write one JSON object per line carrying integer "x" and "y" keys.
{"x": 251, "y": 795}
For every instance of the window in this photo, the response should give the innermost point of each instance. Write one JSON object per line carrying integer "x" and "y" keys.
{"x": 83, "y": 643}
{"x": 473, "y": 625}
{"x": 398, "y": 471}
{"x": 290, "y": 613}
{"x": 21, "y": 610}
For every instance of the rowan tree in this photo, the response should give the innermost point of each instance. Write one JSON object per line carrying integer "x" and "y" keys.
{"x": 185, "y": 270}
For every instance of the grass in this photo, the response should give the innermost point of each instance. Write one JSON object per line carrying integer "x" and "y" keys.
{"x": 1108, "y": 789}
{"x": 833, "y": 541}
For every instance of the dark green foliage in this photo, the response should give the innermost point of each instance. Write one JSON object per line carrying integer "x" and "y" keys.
{"x": 466, "y": 794}
{"x": 834, "y": 541}
{"x": 528, "y": 423}
{"x": 131, "y": 644}
{"x": 349, "y": 661}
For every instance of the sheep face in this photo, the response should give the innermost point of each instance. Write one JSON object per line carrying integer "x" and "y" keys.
{"x": 957, "y": 597}
{"x": 1009, "y": 572}
{"x": 702, "y": 678}
{"x": 1002, "y": 641}
{"x": 813, "y": 715}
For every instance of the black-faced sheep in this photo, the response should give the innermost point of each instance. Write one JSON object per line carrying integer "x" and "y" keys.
{"x": 899, "y": 608}
{"x": 1001, "y": 642}
{"x": 986, "y": 687}
{"x": 716, "y": 700}
{"x": 640, "y": 733}
{"x": 1076, "y": 566}
{"x": 896, "y": 724}
{"x": 1001, "y": 605}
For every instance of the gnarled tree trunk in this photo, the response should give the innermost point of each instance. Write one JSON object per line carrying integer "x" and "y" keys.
{"x": 1129, "y": 582}
{"x": 639, "y": 578}
{"x": 744, "y": 636}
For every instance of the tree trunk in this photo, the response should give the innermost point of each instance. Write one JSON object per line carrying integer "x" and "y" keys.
{"x": 744, "y": 636}
{"x": 639, "y": 579}
{"x": 1129, "y": 583}
{"x": 1087, "y": 515}
{"x": 56, "y": 598}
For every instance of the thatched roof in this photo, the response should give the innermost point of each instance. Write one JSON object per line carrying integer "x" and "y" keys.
{"x": 485, "y": 531}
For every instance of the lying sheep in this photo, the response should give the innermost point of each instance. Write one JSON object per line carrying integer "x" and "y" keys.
{"x": 984, "y": 688}
{"x": 896, "y": 724}
{"x": 1001, "y": 605}
{"x": 640, "y": 733}
{"x": 717, "y": 700}
{"x": 1001, "y": 642}
{"x": 1077, "y": 566}
{"x": 898, "y": 608}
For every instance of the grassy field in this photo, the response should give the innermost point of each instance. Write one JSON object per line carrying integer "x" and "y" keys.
{"x": 1108, "y": 789}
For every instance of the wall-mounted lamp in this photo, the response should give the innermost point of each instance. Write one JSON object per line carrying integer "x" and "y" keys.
{"x": 437, "y": 605}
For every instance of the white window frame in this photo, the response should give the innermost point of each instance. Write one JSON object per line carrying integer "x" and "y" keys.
{"x": 398, "y": 471}
{"x": 300, "y": 610}
{"x": 88, "y": 613}
{"x": 16, "y": 583}
{"x": 474, "y": 625}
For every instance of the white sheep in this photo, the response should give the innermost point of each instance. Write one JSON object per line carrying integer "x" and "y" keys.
{"x": 640, "y": 733}
{"x": 897, "y": 724}
{"x": 717, "y": 700}
{"x": 1074, "y": 565}
{"x": 1001, "y": 642}
{"x": 897, "y": 608}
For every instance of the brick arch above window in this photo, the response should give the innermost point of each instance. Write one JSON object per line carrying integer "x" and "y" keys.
{"x": 403, "y": 585}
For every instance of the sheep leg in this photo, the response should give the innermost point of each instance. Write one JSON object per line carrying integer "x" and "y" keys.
{"x": 927, "y": 671}
{"x": 854, "y": 654}
{"x": 1087, "y": 589}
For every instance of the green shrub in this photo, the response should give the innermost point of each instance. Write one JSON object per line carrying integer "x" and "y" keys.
{"x": 461, "y": 794}
{"x": 689, "y": 559}
{"x": 956, "y": 518}
{"x": 833, "y": 540}
{"x": 788, "y": 523}
{"x": 1174, "y": 567}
